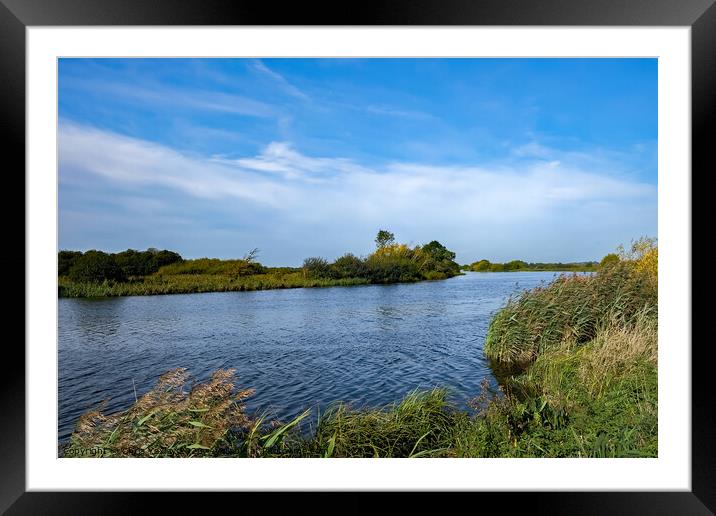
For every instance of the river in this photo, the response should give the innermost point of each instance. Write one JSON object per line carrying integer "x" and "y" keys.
{"x": 299, "y": 348}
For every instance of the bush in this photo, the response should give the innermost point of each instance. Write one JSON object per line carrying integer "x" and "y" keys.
{"x": 643, "y": 255}
{"x": 349, "y": 266}
{"x": 316, "y": 267}
{"x": 481, "y": 266}
{"x": 608, "y": 260}
{"x": 393, "y": 263}
{"x": 213, "y": 266}
{"x": 95, "y": 267}
{"x": 515, "y": 265}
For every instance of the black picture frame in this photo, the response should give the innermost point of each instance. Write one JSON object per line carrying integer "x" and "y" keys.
{"x": 17, "y": 15}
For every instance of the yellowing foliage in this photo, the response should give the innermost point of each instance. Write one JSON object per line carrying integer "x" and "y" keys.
{"x": 649, "y": 262}
{"x": 644, "y": 256}
{"x": 394, "y": 251}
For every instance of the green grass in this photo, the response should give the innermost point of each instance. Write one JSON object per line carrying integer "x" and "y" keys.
{"x": 187, "y": 283}
{"x": 419, "y": 425}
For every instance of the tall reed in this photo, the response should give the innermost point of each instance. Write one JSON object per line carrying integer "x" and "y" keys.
{"x": 571, "y": 307}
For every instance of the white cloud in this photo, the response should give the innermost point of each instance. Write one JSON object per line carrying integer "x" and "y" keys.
{"x": 286, "y": 86}
{"x": 281, "y": 158}
{"x": 460, "y": 204}
{"x": 131, "y": 161}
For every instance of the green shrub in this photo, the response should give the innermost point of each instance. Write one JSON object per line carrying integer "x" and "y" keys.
{"x": 316, "y": 267}
{"x": 609, "y": 259}
{"x": 349, "y": 266}
{"x": 213, "y": 266}
{"x": 515, "y": 265}
{"x": 480, "y": 266}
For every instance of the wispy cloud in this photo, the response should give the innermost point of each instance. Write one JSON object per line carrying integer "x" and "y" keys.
{"x": 281, "y": 158}
{"x": 401, "y": 113}
{"x": 178, "y": 99}
{"x": 128, "y": 160}
{"x": 282, "y": 82}
{"x": 610, "y": 162}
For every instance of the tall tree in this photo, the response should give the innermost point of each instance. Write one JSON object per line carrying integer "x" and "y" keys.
{"x": 384, "y": 238}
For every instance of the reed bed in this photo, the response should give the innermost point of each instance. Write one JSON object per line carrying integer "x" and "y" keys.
{"x": 161, "y": 284}
{"x": 167, "y": 421}
{"x": 572, "y": 307}
{"x": 420, "y": 425}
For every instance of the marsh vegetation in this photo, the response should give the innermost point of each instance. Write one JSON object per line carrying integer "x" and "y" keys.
{"x": 130, "y": 273}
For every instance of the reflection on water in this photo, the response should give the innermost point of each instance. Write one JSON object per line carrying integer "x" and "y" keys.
{"x": 298, "y": 348}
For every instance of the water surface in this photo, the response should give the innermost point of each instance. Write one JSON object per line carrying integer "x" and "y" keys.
{"x": 298, "y": 348}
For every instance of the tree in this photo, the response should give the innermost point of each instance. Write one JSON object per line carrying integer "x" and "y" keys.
{"x": 349, "y": 266}
{"x": 643, "y": 256}
{"x": 438, "y": 258}
{"x": 65, "y": 261}
{"x": 438, "y": 251}
{"x": 515, "y": 265}
{"x": 608, "y": 260}
{"x": 384, "y": 239}
{"x": 95, "y": 267}
{"x": 142, "y": 263}
{"x": 251, "y": 255}
{"x": 481, "y": 266}
{"x": 316, "y": 267}
{"x": 163, "y": 258}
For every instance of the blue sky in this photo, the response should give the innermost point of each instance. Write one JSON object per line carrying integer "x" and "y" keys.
{"x": 536, "y": 159}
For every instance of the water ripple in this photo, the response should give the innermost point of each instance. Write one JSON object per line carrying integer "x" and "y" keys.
{"x": 298, "y": 348}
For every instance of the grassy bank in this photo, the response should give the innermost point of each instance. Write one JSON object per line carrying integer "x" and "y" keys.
{"x": 579, "y": 365}
{"x": 151, "y": 272}
{"x": 522, "y": 266}
{"x": 158, "y": 284}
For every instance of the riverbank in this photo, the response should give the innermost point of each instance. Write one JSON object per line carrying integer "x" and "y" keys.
{"x": 195, "y": 283}
{"x": 154, "y": 272}
{"x": 522, "y": 266}
{"x": 582, "y": 359}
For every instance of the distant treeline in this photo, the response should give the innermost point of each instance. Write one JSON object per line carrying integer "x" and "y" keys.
{"x": 98, "y": 266}
{"x": 519, "y": 265}
{"x": 96, "y": 273}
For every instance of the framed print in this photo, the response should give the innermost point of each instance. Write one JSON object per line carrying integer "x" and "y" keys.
{"x": 269, "y": 254}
